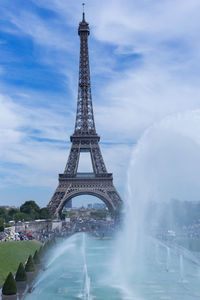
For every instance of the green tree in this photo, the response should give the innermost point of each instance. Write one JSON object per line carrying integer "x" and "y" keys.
{"x": 3, "y": 211}
{"x": 12, "y": 212}
{"x": 31, "y": 209}
{"x": 44, "y": 213}
{"x": 4, "y": 214}
{"x": 9, "y": 287}
{"x": 71, "y": 214}
{"x": 21, "y": 273}
{"x": 21, "y": 217}
{"x": 30, "y": 266}
{"x": 101, "y": 214}
{"x": 1, "y": 224}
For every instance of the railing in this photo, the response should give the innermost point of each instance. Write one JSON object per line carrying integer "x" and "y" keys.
{"x": 86, "y": 175}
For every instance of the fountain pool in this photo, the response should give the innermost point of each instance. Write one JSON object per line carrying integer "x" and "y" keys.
{"x": 82, "y": 268}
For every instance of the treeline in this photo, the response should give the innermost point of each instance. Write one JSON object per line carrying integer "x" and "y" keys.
{"x": 99, "y": 214}
{"x": 28, "y": 211}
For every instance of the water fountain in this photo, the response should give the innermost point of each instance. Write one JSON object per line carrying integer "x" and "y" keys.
{"x": 181, "y": 268}
{"x": 84, "y": 272}
{"x": 85, "y": 295}
{"x": 168, "y": 259}
{"x": 135, "y": 266}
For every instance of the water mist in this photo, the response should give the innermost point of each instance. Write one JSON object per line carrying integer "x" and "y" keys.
{"x": 164, "y": 165}
{"x": 137, "y": 265}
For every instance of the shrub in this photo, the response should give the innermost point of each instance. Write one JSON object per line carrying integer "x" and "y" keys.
{"x": 9, "y": 287}
{"x": 21, "y": 273}
{"x": 41, "y": 252}
{"x": 36, "y": 258}
{"x": 30, "y": 266}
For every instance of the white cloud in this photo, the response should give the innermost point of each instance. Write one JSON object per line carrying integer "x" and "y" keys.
{"x": 163, "y": 82}
{"x": 33, "y": 162}
{"x": 48, "y": 34}
{"x": 19, "y": 143}
{"x": 141, "y": 98}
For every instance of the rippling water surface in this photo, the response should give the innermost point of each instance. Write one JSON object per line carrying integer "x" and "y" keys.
{"x": 82, "y": 268}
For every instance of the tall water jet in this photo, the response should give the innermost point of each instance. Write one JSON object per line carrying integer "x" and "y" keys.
{"x": 157, "y": 252}
{"x": 164, "y": 159}
{"x": 86, "y": 279}
{"x": 168, "y": 259}
{"x": 181, "y": 267}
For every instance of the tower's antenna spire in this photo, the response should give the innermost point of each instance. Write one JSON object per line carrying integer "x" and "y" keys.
{"x": 83, "y": 4}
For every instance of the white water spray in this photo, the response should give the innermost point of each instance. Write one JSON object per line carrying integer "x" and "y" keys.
{"x": 86, "y": 279}
{"x": 59, "y": 251}
{"x": 155, "y": 158}
{"x": 181, "y": 267}
{"x": 168, "y": 258}
{"x": 55, "y": 253}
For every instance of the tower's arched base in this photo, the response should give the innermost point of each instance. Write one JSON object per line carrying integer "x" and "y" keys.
{"x": 68, "y": 188}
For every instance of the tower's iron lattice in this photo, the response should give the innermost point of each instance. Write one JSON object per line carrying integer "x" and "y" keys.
{"x": 85, "y": 139}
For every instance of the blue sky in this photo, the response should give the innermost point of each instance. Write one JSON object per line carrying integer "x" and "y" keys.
{"x": 145, "y": 68}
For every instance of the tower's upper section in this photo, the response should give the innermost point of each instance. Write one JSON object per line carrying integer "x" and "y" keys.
{"x": 84, "y": 125}
{"x": 83, "y": 26}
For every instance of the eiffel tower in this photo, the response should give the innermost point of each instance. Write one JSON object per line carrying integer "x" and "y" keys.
{"x": 99, "y": 183}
